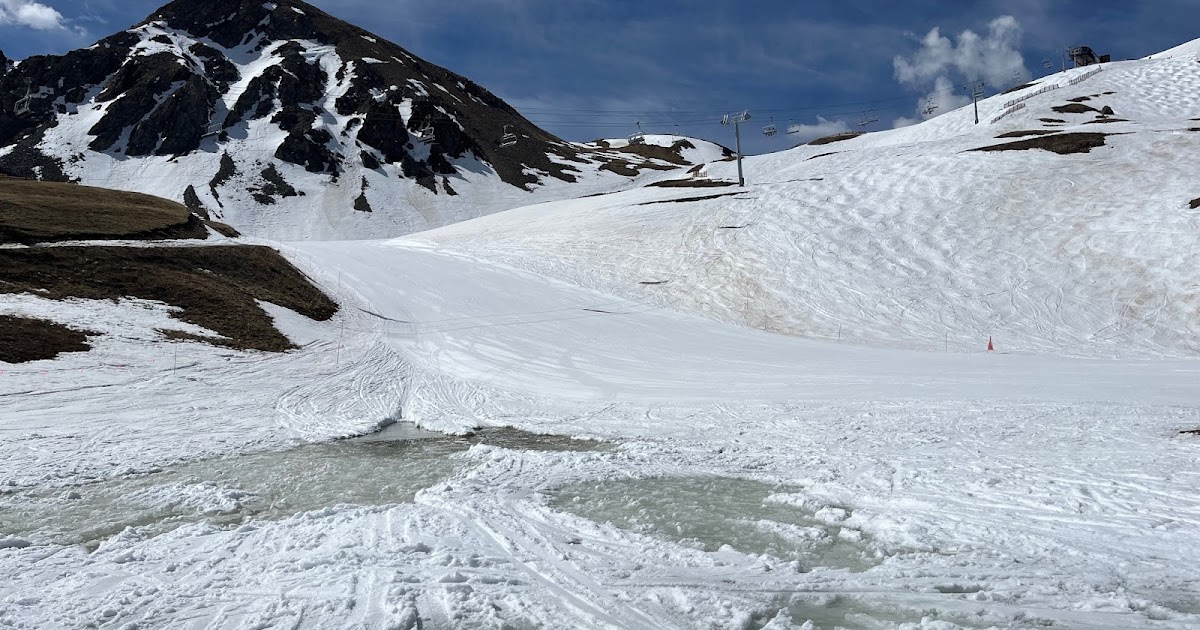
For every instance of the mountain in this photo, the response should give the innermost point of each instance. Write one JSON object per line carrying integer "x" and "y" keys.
{"x": 290, "y": 123}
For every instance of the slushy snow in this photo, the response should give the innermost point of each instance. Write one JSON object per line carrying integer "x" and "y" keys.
{"x": 1045, "y": 485}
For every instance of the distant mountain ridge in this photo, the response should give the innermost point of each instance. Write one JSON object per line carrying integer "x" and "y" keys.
{"x": 284, "y": 118}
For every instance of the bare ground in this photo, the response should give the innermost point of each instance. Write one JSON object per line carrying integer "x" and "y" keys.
{"x": 23, "y": 340}
{"x": 1063, "y": 143}
{"x": 216, "y": 287}
{"x": 692, "y": 183}
{"x": 39, "y": 212}
{"x": 838, "y": 137}
{"x": 1031, "y": 132}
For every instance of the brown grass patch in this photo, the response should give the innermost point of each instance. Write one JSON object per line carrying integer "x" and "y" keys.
{"x": 215, "y": 286}
{"x": 40, "y": 212}
{"x": 821, "y": 155}
{"x": 837, "y": 137}
{"x": 1063, "y": 143}
{"x": 1017, "y": 88}
{"x": 620, "y": 167}
{"x": 1022, "y": 134}
{"x": 223, "y": 229}
{"x": 1074, "y": 108}
{"x": 1104, "y": 119}
{"x": 692, "y": 183}
{"x": 1080, "y": 99}
{"x": 1190, "y": 432}
{"x": 1195, "y": 203}
{"x": 23, "y": 340}
{"x": 1051, "y": 121}
{"x": 672, "y": 154}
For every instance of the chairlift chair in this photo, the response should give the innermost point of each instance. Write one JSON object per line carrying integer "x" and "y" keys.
{"x": 509, "y": 138}
{"x": 868, "y": 118}
{"x": 425, "y": 132}
{"x": 793, "y": 128}
{"x": 770, "y": 130}
{"x": 639, "y": 137}
{"x": 24, "y": 104}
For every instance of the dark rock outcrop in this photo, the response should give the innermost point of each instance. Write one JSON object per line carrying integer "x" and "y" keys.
{"x": 164, "y": 84}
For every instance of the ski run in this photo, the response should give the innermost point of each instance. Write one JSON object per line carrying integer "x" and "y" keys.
{"x": 811, "y": 348}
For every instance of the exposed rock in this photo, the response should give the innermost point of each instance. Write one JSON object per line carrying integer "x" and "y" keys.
{"x": 193, "y": 203}
{"x": 274, "y": 185}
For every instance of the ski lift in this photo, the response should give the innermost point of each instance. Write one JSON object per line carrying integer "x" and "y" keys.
{"x": 639, "y": 137}
{"x": 23, "y": 104}
{"x": 868, "y": 118}
{"x": 509, "y": 138}
{"x": 425, "y": 132}
{"x": 793, "y": 128}
{"x": 770, "y": 130}
{"x": 213, "y": 129}
{"x": 930, "y": 107}
{"x": 1047, "y": 64}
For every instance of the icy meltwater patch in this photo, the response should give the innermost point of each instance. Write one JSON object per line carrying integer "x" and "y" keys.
{"x": 386, "y": 468}
{"x": 709, "y": 513}
{"x": 838, "y": 612}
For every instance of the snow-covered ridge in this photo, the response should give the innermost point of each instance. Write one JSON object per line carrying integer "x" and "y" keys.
{"x": 291, "y": 124}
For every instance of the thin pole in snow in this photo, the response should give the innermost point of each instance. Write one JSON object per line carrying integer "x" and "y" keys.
{"x": 342, "y": 333}
{"x": 976, "y": 90}
{"x": 839, "y": 334}
{"x": 736, "y": 120}
{"x": 176, "y": 365}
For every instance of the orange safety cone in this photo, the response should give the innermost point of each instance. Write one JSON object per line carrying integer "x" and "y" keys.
{"x": 991, "y": 348}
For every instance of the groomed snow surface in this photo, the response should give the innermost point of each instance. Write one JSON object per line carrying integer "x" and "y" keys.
{"x": 736, "y": 477}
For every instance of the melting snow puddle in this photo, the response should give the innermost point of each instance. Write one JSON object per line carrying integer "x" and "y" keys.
{"x": 832, "y": 612}
{"x": 709, "y": 513}
{"x": 382, "y": 469}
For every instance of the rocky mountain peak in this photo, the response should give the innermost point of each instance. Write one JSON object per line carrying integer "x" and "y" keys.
{"x": 226, "y": 104}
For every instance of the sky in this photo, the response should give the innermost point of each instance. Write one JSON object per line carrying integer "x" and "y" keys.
{"x": 588, "y": 69}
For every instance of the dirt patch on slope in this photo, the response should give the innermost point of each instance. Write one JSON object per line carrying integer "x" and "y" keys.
{"x": 41, "y": 212}
{"x": 215, "y": 286}
{"x": 837, "y": 137}
{"x": 23, "y": 339}
{"x": 689, "y": 199}
{"x": 1074, "y": 108}
{"x": 1031, "y": 132}
{"x": 692, "y": 183}
{"x": 1063, "y": 143}
{"x": 1017, "y": 88}
{"x": 1195, "y": 203}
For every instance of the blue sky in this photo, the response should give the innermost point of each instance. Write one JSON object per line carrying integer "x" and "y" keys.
{"x": 585, "y": 69}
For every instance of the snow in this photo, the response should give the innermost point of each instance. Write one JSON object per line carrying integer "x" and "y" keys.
{"x": 325, "y": 211}
{"x": 1045, "y": 485}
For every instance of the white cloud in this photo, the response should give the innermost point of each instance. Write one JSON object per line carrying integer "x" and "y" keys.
{"x": 904, "y": 122}
{"x": 822, "y": 128}
{"x": 33, "y": 15}
{"x": 944, "y": 66}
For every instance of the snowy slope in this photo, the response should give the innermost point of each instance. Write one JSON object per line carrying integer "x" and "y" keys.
{"x": 932, "y": 490}
{"x": 908, "y": 238}
{"x": 922, "y": 462}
